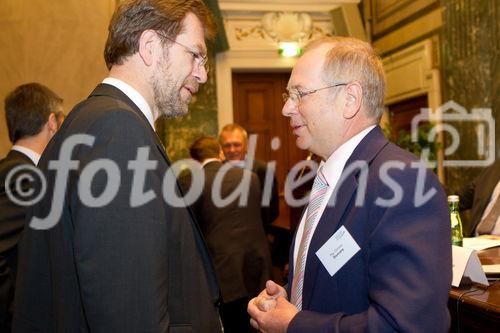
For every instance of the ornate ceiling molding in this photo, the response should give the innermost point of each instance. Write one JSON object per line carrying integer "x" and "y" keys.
{"x": 318, "y": 6}
{"x": 287, "y": 26}
{"x": 261, "y": 24}
{"x": 278, "y": 27}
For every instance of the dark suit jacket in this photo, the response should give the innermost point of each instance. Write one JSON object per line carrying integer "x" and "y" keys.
{"x": 271, "y": 212}
{"x": 477, "y": 195}
{"x": 115, "y": 268}
{"x": 12, "y": 219}
{"x": 400, "y": 279}
{"x": 234, "y": 233}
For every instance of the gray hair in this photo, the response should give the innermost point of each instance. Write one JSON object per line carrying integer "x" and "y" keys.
{"x": 351, "y": 59}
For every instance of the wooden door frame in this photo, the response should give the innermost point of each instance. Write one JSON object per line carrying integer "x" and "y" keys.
{"x": 236, "y": 61}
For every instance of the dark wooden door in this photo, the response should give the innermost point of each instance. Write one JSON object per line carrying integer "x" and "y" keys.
{"x": 402, "y": 113}
{"x": 257, "y": 104}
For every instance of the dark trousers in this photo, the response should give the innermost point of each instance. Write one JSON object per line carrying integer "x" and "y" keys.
{"x": 7, "y": 281}
{"x": 235, "y": 317}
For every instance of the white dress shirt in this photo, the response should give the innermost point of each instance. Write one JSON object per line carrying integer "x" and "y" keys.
{"x": 208, "y": 160}
{"x": 135, "y": 96}
{"x": 332, "y": 170}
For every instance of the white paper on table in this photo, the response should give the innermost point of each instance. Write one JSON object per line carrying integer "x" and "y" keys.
{"x": 480, "y": 243}
{"x": 466, "y": 263}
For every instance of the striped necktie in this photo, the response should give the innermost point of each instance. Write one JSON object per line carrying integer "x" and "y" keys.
{"x": 319, "y": 188}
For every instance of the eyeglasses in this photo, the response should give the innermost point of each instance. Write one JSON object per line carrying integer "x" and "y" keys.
{"x": 200, "y": 59}
{"x": 296, "y": 97}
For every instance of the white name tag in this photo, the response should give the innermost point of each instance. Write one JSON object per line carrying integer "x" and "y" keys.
{"x": 338, "y": 250}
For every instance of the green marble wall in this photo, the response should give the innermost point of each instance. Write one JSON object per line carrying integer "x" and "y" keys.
{"x": 470, "y": 62}
{"x": 179, "y": 133}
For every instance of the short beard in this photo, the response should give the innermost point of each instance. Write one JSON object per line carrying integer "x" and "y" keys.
{"x": 167, "y": 101}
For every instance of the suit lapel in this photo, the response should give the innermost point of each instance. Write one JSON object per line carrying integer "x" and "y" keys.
{"x": 345, "y": 193}
{"x": 327, "y": 225}
{"x": 489, "y": 186}
{"x": 108, "y": 90}
{"x": 482, "y": 193}
{"x": 113, "y": 92}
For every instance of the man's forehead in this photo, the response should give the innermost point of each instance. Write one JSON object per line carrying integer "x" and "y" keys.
{"x": 234, "y": 135}
{"x": 193, "y": 32}
{"x": 307, "y": 70}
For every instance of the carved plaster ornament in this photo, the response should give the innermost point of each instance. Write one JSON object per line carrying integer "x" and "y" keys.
{"x": 287, "y": 26}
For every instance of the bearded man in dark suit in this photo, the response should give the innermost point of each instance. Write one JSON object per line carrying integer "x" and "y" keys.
{"x": 31, "y": 122}
{"x": 233, "y": 230}
{"x": 111, "y": 247}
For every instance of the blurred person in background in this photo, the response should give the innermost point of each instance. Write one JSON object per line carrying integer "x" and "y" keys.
{"x": 30, "y": 111}
{"x": 234, "y": 232}
{"x": 482, "y": 196}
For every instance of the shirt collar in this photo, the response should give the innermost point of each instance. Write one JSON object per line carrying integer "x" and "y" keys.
{"x": 135, "y": 96}
{"x": 237, "y": 163}
{"x": 33, "y": 155}
{"x": 339, "y": 157}
{"x": 208, "y": 160}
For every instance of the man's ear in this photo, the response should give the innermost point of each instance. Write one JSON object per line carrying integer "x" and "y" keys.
{"x": 353, "y": 99}
{"x": 148, "y": 42}
{"x": 52, "y": 123}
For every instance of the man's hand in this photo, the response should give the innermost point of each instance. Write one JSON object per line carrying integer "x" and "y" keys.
{"x": 267, "y": 298}
{"x": 270, "y": 311}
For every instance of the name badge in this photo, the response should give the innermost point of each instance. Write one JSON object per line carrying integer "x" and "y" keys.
{"x": 338, "y": 250}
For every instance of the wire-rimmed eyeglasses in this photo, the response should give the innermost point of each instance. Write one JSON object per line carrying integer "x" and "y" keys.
{"x": 200, "y": 59}
{"x": 296, "y": 97}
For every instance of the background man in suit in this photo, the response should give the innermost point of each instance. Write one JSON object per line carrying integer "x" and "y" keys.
{"x": 482, "y": 195}
{"x": 131, "y": 261}
{"x": 375, "y": 257}
{"x": 234, "y": 141}
{"x": 234, "y": 233}
{"x": 30, "y": 112}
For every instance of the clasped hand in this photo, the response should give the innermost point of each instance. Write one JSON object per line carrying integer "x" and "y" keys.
{"x": 270, "y": 312}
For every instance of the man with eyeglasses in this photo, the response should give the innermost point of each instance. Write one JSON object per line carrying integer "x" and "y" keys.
{"x": 372, "y": 252}
{"x": 137, "y": 263}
